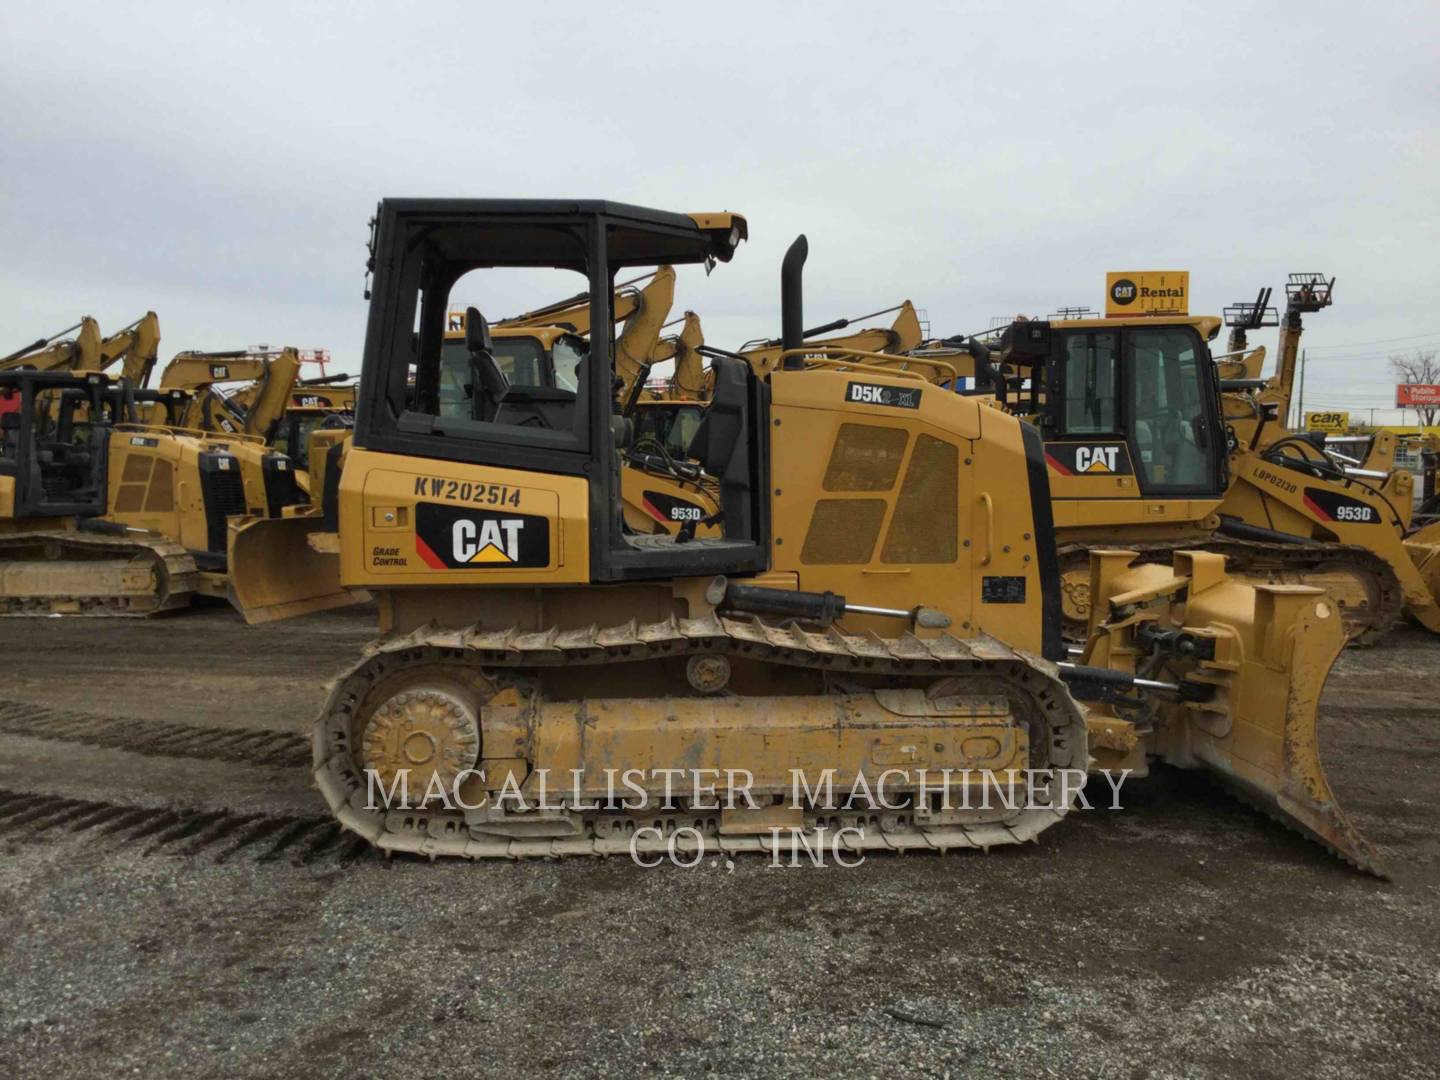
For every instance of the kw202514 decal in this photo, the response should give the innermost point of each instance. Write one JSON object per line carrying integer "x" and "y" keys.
{"x": 449, "y": 537}
{"x": 1089, "y": 458}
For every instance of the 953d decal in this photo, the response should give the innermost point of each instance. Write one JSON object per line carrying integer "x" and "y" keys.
{"x": 671, "y": 509}
{"x": 1332, "y": 506}
{"x": 449, "y": 537}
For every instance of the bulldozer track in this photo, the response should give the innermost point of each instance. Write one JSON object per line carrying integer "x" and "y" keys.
{"x": 176, "y": 575}
{"x": 1252, "y": 558}
{"x": 1031, "y": 684}
{"x": 217, "y": 835}
{"x": 156, "y": 738}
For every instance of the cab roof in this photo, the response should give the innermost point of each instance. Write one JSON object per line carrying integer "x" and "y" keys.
{"x": 1207, "y": 325}
{"x": 640, "y": 236}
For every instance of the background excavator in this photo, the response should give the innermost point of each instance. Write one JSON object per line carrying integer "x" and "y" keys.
{"x": 253, "y": 409}
{"x": 883, "y": 596}
{"x": 135, "y": 348}
{"x": 273, "y": 405}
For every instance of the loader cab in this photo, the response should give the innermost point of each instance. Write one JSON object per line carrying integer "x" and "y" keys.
{"x": 1127, "y": 397}
{"x": 671, "y": 425}
{"x": 420, "y": 399}
{"x": 54, "y": 444}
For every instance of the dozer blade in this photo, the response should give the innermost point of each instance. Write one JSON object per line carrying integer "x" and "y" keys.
{"x": 1423, "y": 547}
{"x": 1250, "y": 662}
{"x": 276, "y": 574}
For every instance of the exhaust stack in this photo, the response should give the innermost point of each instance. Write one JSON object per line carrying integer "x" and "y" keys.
{"x": 792, "y": 305}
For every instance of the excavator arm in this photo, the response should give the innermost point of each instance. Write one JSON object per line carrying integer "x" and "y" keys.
{"x": 59, "y": 353}
{"x": 256, "y": 407}
{"x": 137, "y": 347}
{"x": 687, "y": 383}
{"x": 900, "y": 336}
{"x": 573, "y": 313}
{"x": 641, "y": 333}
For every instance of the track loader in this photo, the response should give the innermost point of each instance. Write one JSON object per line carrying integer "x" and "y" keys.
{"x": 882, "y": 604}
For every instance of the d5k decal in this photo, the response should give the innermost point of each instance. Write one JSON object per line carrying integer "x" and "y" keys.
{"x": 459, "y": 538}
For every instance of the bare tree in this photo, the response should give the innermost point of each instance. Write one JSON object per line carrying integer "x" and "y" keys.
{"x": 1418, "y": 367}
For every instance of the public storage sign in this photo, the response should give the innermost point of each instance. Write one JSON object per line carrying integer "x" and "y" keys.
{"x": 1146, "y": 292}
{"x": 1423, "y": 395}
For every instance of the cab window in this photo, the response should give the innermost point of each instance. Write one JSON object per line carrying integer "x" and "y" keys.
{"x": 1091, "y": 362}
{"x": 1167, "y": 406}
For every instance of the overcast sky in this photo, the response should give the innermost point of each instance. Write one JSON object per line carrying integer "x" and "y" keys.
{"x": 218, "y": 163}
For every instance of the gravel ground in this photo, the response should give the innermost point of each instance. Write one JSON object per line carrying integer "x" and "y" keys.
{"x": 1183, "y": 936}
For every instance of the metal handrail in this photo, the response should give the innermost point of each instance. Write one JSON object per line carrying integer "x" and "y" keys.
{"x": 835, "y": 357}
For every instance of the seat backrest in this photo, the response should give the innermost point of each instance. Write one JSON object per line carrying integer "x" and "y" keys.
{"x": 722, "y": 444}
{"x": 487, "y": 382}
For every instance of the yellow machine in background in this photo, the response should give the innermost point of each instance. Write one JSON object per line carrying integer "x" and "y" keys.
{"x": 1153, "y": 446}
{"x": 883, "y": 598}
{"x": 102, "y": 515}
{"x": 110, "y": 506}
{"x": 247, "y": 420}
{"x": 135, "y": 348}
{"x": 272, "y": 378}
{"x": 533, "y": 362}
{"x": 58, "y": 352}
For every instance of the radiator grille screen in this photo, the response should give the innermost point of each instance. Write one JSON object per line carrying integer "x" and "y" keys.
{"x": 843, "y": 531}
{"x": 925, "y": 526}
{"x": 865, "y": 458}
{"x": 161, "y": 497}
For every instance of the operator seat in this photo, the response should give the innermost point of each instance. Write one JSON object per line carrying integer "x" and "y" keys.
{"x": 487, "y": 382}
{"x": 9, "y": 434}
{"x": 722, "y": 444}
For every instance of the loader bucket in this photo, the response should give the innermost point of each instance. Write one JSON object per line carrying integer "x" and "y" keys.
{"x": 275, "y": 572}
{"x": 1251, "y": 661}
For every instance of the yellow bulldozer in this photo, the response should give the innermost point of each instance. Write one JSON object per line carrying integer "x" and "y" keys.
{"x": 880, "y": 613}
{"x": 1153, "y": 445}
{"x": 109, "y": 505}
{"x": 101, "y": 513}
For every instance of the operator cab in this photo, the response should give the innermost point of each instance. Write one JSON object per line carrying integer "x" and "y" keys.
{"x": 461, "y": 390}
{"x": 669, "y": 426}
{"x": 1117, "y": 396}
{"x": 55, "y": 443}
